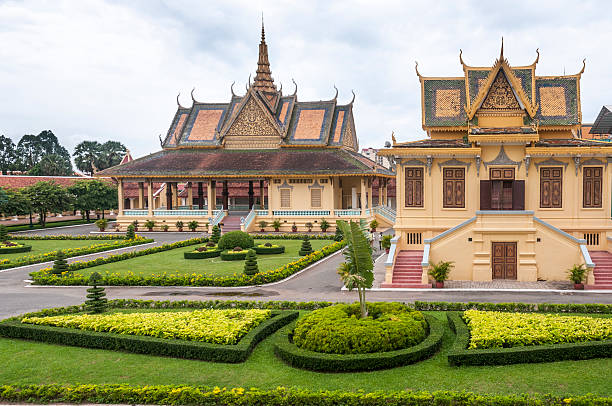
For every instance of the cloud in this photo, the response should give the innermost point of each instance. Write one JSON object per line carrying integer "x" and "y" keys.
{"x": 109, "y": 70}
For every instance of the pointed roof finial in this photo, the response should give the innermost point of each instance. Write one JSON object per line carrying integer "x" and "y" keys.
{"x": 263, "y": 31}
{"x": 501, "y": 54}
{"x": 263, "y": 78}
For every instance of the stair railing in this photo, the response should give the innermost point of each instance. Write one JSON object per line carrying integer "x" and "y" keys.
{"x": 245, "y": 222}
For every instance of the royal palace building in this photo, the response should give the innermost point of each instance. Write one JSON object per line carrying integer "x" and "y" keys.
{"x": 298, "y": 160}
{"x": 504, "y": 186}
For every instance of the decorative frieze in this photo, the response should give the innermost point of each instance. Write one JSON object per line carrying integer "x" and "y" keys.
{"x": 502, "y": 159}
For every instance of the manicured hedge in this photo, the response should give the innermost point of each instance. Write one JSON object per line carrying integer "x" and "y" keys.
{"x": 229, "y": 255}
{"x": 69, "y": 237}
{"x": 44, "y": 276}
{"x": 53, "y": 224}
{"x": 293, "y": 236}
{"x": 269, "y": 250}
{"x": 316, "y": 361}
{"x": 17, "y": 249}
{"x": 202, "y": 395}
{"x": 202, "y": 254}
{"x": 516, "y": 307}
{"x": 71, "y": 252}
{"x": 460, "y": 355}
{"x": 13, "y": 328}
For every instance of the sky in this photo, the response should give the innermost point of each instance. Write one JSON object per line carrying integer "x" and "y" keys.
{"x": 110, "y": 70}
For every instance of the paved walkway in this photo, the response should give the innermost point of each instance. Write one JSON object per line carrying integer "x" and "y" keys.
{"x": 320, "y": 282}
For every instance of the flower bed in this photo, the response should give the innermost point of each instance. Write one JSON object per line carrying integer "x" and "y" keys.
{"x": 211, "y": 326}
{"x": 70, "y": 237}
{"x": 8, "y": 247}
{"x": 461, "y": 355}
{"x": 72, "y": 252}
{"x": 45, "y": 277}
{"x": 504, "y": 330}
{"x": 339, "y": 330}
{"x": 266, "y": 249}
{"x": 203, "y": 253}
{"x": 232, "y": 255}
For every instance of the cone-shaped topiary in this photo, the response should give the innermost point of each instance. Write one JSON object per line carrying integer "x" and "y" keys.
{"x": 250, "y": 265}
{"x": 3, "y": 233}
{"x": 306, "y": 248}
{"x": 130, "y": 234}
{"x": 216, "y": 234}
{"x": 59, "y": 265}
{"x": 338, "y": 236}
{"x": 96, "y": 302}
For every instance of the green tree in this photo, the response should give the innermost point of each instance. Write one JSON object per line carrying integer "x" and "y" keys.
{"x": 52, "y": 165}
{"x": 46, "y": 197}
{"x": 93, "y": 194}
{"x": 32, "y": 148}
{"x": 17, "y": 203}
{"x": 96, "y": 301}
{"x": 250, "y": 264}
{"x": 306, "y": 248}
{"x": 357, "y": 270}
{"x": 112, "y": 154}
{"x": 86, "y": 156}
{"x": 60, "y": 265}
{"x": 8, "y": 155}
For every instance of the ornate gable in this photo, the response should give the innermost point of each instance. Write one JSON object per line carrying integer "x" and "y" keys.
{"x": 252, "y": 119}
{"x": 500, "y": 95}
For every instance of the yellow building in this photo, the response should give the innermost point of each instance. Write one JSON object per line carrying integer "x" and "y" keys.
{"x": 504, "y": 186}
{"x": 299, "y": 159}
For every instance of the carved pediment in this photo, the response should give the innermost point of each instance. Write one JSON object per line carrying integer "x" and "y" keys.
{"x": 500, "y": 95}
{"x": 252, "y": 120}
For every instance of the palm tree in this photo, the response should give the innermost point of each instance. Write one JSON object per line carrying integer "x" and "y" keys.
{"x": 356, "y": 271}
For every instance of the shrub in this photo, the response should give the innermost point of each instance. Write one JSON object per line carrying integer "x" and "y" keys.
{"x": 60, "y": 265}
{"x": 517, "y": 307}
{"x": 130, "y": 234}
{"x": 211, "y": 244}
{"x": 149, "y": 224}
{"x": 135, "y": 224}
{"x": 165, "y": 227}
{"x": 179, "y": 224}
{"x": 338, "y": 236}
{"x": 373, "y": 225}
{"x": 235, "y": 239}
{"x": 3, "y": 233}
{"x": 101, "y": 223}
{"x": 269, "y": 249}
{"x": 385, "y": 242}
{"x": 216, "y": 234}
{"x": 276, "y": 224}
{"x": 202, "y": 253}
{"x": 440, "y": 270}
{"x": 306, "y": 248}
{"x": 308, "y": 226}
{"x": 294, "y": 227}
{"x": 250, "y": 265}
{"x": 232, "y": 255}
{"x": 324, "y": 224}
{"x": 96, "y": 302}
{"x": 338, "y": 330}
{"x": 193, "y": 225}
{"x": 263, "y": 224}
{"x": 577, "y": 273}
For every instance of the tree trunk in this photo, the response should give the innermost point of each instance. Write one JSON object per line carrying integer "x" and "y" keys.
{"x": 87, "y": 215}
{"x": 43, "y": 218}
{"x": 102, "y": 213}
{"x": 31, "y": 224}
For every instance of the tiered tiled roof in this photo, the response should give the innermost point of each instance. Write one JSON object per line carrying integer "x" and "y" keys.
{"x": 434, "y": 143}
{"x": 19, "y": 181}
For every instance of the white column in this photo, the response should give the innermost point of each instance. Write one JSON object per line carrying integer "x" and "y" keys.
{"x": 150, "y": 200}
{"x": 369, "y": 193}
{"x": 120, "y": 197}
{"x": 353, "y": 197}
{"x": 363, "y": 196}
{"x": 141, "y": 195}
{"x": 190, "y": 195}
{"x": 209, "y": 197}
{"x": 270, "y": 201}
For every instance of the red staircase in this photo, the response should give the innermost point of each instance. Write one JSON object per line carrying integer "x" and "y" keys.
{"x": 407, "y": 271}
{"x": 602, "y": 271}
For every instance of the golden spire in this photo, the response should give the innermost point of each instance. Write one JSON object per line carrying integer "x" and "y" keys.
{"x": 263, "y": 78}
{"x": 501, "y": 54}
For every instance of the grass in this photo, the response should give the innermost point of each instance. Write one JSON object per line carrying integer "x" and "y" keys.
{"x": 43, "y": 246}
{"x": 49, "y": 224}
{"x": 26, "y": 362}
{"x": 173, "y": 261}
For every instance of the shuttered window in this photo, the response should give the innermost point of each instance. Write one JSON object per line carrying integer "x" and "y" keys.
{"x": 551, "y": 187}
{"x": 454, "y": 187}
{"x": 591, "y": 181}
{"x": 285, "y": 197}
{"x": 414, "y": 187}
{"x": 315, "y": 197}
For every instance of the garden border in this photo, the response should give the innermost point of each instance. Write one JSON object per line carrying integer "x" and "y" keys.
{"x": 202, "y": 255}
{"x": 321, "y": 362}
{"x": 269, "y": 250}
{"x": 460, "y": 355}
{"x": 516, "y": 307}
{"x": 13, "y": 328}
{"x": 17, "y": 249}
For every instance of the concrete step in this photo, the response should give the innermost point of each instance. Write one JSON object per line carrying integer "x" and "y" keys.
{"x": 606, "y": 286}
{"x": 405, "y": 285}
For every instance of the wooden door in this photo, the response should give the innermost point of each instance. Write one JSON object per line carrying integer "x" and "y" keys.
{"x": 503, "y": 260}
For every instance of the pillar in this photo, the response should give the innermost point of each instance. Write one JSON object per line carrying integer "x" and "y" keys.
{"x": 169, "y": 199}
{"x": 150, "y": 201}
{"x": 208, "y": 195}
{"x": 120, "y": 197}
{"x": 251, "y": 195}
{"x": 212, "y": 197}
{"x": 201, "y": 196}
{"x": 225, "y": 196}
{"x": 353, "y": 197}
{"x": 270, "y": 200}
{"x": 175, "y": 198}
{"x": 190, "y": 195}
{"x": 369, "y": 193}
{"x": 141, "y": 195}
{"x": 380, "y": 191}
{"x": 262, "y": 199}
{"x": 386, "y": 192}
{"x": 363, "y": 196}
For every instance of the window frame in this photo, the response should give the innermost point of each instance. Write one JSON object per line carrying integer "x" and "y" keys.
{"x": 281, "y": 190}
{"x": 551, "y": 179}
{"x": 592, "y": 179}
{"x": 414, "y": 180}
{"x": 320, "y": 191}
{"x": 453, "y": 181}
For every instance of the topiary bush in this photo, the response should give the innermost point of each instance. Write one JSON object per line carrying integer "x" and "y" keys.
{"x": 306, "y": 248}
{"x": 216, "y": 234}
{"x": 96, "y": 302}
{"x": 250, "y": 265}
{"x": 338, "y": 330}
{"x": 235, "y": 239}
{"x": 60, "y": 265}
{"x": 3, "y": 233}
{"x": 130, "y": 233}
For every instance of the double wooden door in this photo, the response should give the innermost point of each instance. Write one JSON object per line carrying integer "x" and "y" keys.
{"x": 504, "y": 260}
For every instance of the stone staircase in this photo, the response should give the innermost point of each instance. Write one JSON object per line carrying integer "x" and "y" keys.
{"x": 231, "y": 222}
{"x": 407, "y": 271}
{"x": 602, "y": 271}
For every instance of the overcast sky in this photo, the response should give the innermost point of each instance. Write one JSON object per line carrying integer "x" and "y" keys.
{"x": 100, "y": 70}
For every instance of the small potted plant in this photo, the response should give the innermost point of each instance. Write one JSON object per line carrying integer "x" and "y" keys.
{"x": 324, "y": 225}
{"x": 309, "y": 226}
{"x": 294, "y": 227}
{"x": 373, "y": 225}
{"x": 385, "y": 242}
{"x": 149, "y": 224}
{"x": 262, "y": 225}
{"x": 577, "y": 274}
{"x": 135, "y": 224}
{"x": 193, "y": 225}
{"x": 165, "y": 227}
{"x": 179, "y": 225}
{"x": 102, "y": 223}
{"x": 276, "y": 224}
{"x": 439, "y": 272}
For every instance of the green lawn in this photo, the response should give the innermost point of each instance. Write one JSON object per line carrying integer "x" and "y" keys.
{"x": 25, "y": 362}
{"x": 173, "y": 261}
{"x": 42, "y": 246}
